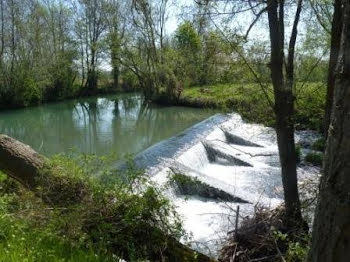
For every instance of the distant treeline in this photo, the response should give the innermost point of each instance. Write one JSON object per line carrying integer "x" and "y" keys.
{"x": 54, "y": 49}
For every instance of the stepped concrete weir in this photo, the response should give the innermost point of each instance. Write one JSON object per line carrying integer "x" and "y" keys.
{"x": 233, "y": 163}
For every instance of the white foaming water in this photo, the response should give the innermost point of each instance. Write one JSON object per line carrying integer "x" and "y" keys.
{"x": 227, "y": 155}
{"x": 196, "y": 157}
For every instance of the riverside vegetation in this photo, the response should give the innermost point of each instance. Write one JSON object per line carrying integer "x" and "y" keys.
{"x": 77, "y": 215}
{"x": 249, "y": 101}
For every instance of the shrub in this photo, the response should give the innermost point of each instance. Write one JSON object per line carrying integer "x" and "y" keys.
{"x": 81, "y": 217}
{"x": 319, "y": 145}
{"x": 129, "y": 80}
{"x": 314, "y": 158}
{"x": 297, "y": 246}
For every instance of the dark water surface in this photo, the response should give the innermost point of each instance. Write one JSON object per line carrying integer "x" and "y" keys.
{"x": 122, "y": 123}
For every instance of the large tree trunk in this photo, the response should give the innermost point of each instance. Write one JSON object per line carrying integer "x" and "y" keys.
{"x": 335, "y": 46}
{"x": 331, "y": 232}
{"x": 284, "y": 110}
{"x": 20, "y": 161}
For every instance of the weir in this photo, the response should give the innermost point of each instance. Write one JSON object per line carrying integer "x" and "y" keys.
{"x": 228, "y": 162}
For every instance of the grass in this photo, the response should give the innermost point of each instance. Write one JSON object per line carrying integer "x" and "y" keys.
{"x": 20, "y": 242}
{"x": 26, "y": 232}
{"x": 74, "y": 216}
{"x": 250, "y": 101}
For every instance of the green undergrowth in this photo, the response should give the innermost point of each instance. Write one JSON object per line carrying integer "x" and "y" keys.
{"x": 75, "y": 216}
{"x": 319, "y": 145}
{"x": 251, "y": 102}
{"x": 192, "y": 186}
{"x": 314, "y": 158}
{"x": 184, "y": 183}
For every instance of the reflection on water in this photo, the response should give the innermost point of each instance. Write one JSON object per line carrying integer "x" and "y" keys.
{"x": 122, "y": 123}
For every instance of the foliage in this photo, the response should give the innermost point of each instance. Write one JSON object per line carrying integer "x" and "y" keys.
{"x": 314, "y": 158}
{"x": 61, "y": 50}
{"x": 129, "y": 81}
{"x": 245, "y": 99}
{"x": 298, "y": 148}
{"x": 309, "y": 105}
{"x": 37, "y": 53}
{"x": 297, "y": 247}
{"x": 187, "y": 39}
{"x": 21, "y": 242}
{"x": 182, "y": 180}
{"x": 78, "y": 218}
{"x": 192, "y": 186}
{"x": 249, "y": 101}
{"x": 319, "y": 144}
{"x": 189, "y": 45}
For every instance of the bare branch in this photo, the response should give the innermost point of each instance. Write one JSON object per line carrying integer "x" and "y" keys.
{"x": 254, "y": 22}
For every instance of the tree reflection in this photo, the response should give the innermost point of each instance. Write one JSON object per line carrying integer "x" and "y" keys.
{"x": 124, "y": 123}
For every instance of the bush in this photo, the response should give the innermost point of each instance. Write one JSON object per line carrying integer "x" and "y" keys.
{"x": 129, "y": 80}
{"x": 314, "y": 158}
{"x": 297, "y": 246}
{"x": 319, "y": 145}
{"x": 81, "y": 217}
{"x": 24, "y": 90}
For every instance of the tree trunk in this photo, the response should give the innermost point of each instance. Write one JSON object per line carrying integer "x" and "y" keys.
{"x": 335, "y": 46}
{"x": 116, "y": 74}
{"x": 331, "y": 232}
{"x": 284, "y": 110}
{"x": 115, "y": 63}
{"x": 2, "y": 33}
{"x": 20, "y": 161}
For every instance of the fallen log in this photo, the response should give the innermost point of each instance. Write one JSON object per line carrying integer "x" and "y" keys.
{"x": 20, "y": 161}
{"x": 25, "y": 165}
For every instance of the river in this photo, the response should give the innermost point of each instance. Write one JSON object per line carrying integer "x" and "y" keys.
{"x": 122, "y": 124}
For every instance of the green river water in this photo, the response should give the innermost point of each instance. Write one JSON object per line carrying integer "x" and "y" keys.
{"x": 122, "y": 124}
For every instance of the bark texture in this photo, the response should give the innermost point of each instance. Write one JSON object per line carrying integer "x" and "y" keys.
{"x": 331, "y": 232}
{"x": 284, "y": 105}
{"x": 20, "y": 161}
{"x": 334, "y": 53}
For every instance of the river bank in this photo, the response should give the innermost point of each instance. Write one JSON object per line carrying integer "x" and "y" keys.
{"x": 255, "y": 104}
{"x": 73, "y": 94}
{"x": 251, "y": 101}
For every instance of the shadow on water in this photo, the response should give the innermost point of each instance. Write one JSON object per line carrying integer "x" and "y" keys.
{"x": 123, "y": 123}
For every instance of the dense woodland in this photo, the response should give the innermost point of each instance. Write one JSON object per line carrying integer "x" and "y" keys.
{"x": 282, "y": 63}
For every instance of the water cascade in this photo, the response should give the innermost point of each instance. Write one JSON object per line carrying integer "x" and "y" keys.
{"x": 228, "y": 162}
